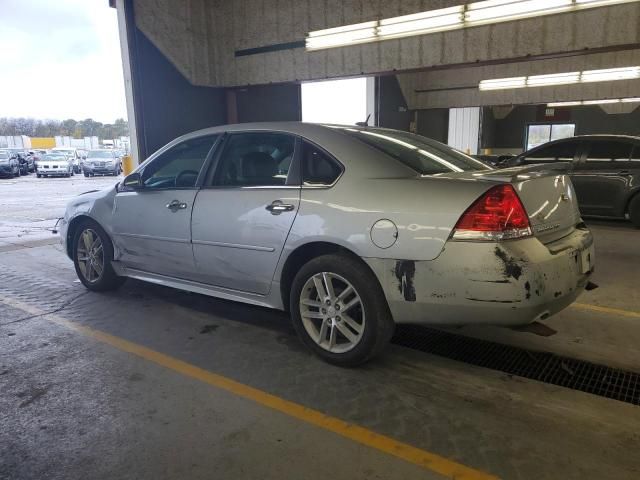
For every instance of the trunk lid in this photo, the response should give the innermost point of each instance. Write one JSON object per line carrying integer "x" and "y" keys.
{"x": 546, "y": 193}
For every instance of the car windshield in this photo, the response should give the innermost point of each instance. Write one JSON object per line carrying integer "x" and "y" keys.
{"x": 424, "y": 155}
{"x": 54, "y": 157}
{"x": 99, "y": 154}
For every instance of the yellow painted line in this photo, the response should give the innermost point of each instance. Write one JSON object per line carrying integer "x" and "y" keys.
{"x": 614, "y": 311}
{"x": 422, "y": 458}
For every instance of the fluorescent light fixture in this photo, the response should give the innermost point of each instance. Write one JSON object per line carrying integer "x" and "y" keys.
{"x": 553, "y": 79}
{"x": 421, "y": 23}
{"x": 567, "y": 78}
{"x": 492, "y": 11}
{"x": 340, "y": 36}
{"x": 609, "y": 74}
{"x": 563, "y": 104}
{"x": 601, "y": 102}
{"x": 450, "y": 18}
{"x": 503, "y": 83}
{"x": 594, "y": 102}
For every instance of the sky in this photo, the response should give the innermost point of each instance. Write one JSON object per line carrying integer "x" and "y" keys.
{"x": 342, "y": 102}
{"x": 60, "y": 59}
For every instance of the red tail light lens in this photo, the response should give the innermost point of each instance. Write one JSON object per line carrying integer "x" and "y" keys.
{"x": 496, "y": 215}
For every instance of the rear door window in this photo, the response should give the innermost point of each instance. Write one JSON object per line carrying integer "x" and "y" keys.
{"x": 255, "y": 159}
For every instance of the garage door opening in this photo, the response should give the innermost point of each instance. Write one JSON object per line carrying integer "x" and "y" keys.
{"x": 343, "y": 102}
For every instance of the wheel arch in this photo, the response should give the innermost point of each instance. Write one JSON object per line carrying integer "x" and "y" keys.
{"x": 633, "y": 194}
{"x": 73, "y": 227}
{"x": 304, "y": 253}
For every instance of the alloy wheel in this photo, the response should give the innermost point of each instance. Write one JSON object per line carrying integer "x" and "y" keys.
{"x": 90, "y": 254}
{"x": 332, "y": 312}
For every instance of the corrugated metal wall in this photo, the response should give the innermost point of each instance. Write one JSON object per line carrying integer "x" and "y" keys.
{"x": 464, "y": 129}
{"x": 201, "y": 37}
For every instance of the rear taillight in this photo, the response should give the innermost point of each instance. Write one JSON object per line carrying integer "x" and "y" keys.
{"x": 497, "y": 215}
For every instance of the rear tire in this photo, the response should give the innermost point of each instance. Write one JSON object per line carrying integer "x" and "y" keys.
{"x": 634, "y": 210}
{"x": 92, "y": 256}
{"x": 348, "y": 327}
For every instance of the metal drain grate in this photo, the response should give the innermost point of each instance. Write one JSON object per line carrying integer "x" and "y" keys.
{"x": 542, "y": 366}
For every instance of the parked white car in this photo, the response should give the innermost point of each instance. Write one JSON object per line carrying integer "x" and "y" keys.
{"x": 75, "y": 155}
{"x": 54, "y": 165}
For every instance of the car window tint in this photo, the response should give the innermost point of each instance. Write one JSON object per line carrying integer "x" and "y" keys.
{"x": 608, "y": 151}
{"x": 318, "y": 168}
{"x": 424, "y": 155}
{"x": 562, "y": 152}
{"x": 255, "y": 159}
{"x": 179, "y": 166}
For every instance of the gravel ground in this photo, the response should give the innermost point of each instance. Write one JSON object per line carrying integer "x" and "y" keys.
{"x": 30, "y": 206}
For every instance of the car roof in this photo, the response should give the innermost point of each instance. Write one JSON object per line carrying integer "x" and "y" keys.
{"x": 329, "y": 137}
{"x": 622, "y": 138}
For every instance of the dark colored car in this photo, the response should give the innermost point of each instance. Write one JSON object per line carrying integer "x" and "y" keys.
{"x": 24, "y": 159}
{"x": 9, "y": 165}
{"x": 102, "y": 162}
{"x": 604, "y": 169}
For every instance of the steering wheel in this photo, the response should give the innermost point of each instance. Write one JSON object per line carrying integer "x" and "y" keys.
{"x": 183, "y": 173}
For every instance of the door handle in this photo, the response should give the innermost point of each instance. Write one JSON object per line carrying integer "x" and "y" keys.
{"x": 176, "y": 205}
{"x": 624, "y": 172}
{"x": 277, "y": 207}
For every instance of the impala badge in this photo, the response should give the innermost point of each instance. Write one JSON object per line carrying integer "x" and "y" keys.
{"x": 544, "y": 228}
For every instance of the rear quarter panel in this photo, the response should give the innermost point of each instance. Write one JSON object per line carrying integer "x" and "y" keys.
{"x": 424, "y": 211}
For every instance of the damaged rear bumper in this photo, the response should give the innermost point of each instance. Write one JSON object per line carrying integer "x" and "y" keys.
{"x": 509, "y": 283}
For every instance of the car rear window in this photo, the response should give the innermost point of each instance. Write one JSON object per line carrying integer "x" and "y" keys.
{"x": 424, "y": 155}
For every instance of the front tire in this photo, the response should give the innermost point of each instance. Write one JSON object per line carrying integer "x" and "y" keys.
{"x": 339, "y": 310}
{"x": 92, "y": 256}
{"x": 634, "y": 210}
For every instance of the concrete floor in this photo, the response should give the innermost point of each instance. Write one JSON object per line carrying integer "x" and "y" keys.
{"x": 30, "y": 206}
{"x": 74, "y": 404}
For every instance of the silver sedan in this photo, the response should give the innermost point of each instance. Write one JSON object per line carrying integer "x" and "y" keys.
{"x": 350, "y": 229}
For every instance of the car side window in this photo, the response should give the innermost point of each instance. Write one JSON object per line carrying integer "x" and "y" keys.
{"x": 608, "y": 151}
{"x": 318, "y": 168}
{"x": 179, "y": 166}
{"x": 256, "y": 159}
{"x": 561, "y": 152}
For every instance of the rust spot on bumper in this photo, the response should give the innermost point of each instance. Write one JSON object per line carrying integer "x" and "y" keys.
{"x": 405, "y": 272}
{"x": 511, "y": 267}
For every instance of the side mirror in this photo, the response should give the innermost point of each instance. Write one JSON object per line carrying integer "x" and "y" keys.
{"x": 133, "y": 181}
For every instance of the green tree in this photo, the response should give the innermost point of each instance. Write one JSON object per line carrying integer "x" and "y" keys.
{"x": 68, "y": 127}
